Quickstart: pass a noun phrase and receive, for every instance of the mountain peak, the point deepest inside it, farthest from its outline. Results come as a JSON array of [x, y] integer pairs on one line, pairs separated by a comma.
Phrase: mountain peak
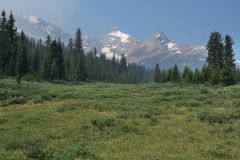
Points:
[[124, 38], [161, 37], [33, 19]]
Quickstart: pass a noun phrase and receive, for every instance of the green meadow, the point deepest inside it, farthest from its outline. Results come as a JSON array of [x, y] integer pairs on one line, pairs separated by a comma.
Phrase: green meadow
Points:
[[101, 121]]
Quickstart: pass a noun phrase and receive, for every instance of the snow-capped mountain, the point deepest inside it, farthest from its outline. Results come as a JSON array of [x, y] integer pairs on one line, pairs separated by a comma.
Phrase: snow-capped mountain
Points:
[[118, 43], [38, 28], [158, 49]]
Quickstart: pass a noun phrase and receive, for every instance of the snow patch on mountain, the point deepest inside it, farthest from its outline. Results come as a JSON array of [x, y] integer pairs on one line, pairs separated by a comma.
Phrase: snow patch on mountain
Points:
[[33, 19], [174, 48], [36, 27], [124, 38]]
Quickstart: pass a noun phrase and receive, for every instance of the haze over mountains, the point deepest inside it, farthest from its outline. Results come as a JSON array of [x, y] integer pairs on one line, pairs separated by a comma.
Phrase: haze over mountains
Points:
[[157, 49]]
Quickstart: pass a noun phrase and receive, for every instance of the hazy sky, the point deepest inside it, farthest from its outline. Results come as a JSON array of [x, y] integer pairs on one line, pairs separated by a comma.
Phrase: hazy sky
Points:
[[184, 21]]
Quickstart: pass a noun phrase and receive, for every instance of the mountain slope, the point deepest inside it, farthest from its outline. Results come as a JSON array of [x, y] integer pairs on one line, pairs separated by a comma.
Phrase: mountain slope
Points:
[[158, 49], [38, 28]]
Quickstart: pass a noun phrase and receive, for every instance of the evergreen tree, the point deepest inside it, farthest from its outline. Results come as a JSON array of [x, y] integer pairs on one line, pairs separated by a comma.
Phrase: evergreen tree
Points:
[[228, 76], [189, 76], [229, 60], [25, 66], [78, 42], [54, 70], [203, 74], [3, 43], [60, 61], [175, 75], [70, 45], [185, 71], [229, 70], [20, 66], [36, 61], [157, 74], [215, 77], [80, 63], [215, 48], [81, 70], [123, 64], [196, 76], [12, 44]]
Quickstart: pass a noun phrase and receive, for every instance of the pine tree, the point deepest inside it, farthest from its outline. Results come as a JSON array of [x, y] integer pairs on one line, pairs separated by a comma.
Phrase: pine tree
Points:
[[36, 61], [196, 76], [78, 42], [54, 70], [20, 70], [12, 44], [175, 75], [185, 71], [123, 65], [48, 41], [70, 45], [215, 48], [228, 76], [60, 61], [81, 70], [203, 74], [189, 76], [215, 77], [3, 43], [229, 70], [237, 76], [157, 74], [229, 60], [80, 57], [25, 66]]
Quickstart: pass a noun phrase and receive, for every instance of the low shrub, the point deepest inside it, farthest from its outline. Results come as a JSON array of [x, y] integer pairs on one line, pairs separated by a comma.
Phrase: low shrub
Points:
[[18, 100], [212, 117], [102, 123], [30, 148]]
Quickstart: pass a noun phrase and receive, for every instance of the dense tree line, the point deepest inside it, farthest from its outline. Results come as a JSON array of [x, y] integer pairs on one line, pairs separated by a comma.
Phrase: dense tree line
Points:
[[21, 56], [219, 68]]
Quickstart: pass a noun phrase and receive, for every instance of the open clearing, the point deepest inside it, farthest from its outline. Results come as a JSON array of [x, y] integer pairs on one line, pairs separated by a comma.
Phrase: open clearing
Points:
[[114, 121]]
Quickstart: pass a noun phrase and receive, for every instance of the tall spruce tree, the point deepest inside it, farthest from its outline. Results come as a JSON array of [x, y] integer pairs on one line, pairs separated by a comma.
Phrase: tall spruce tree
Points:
[[78, 42], [80, 57], [229, 70], [60, 61], [21, 55], [12, 44], [3, 43], [175, 74], [157, 74], [215, 59], [36, 62], [123, 65]]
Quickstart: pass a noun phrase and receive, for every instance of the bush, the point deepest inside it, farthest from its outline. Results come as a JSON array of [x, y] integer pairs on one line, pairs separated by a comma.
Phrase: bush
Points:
[[212, 117], [102, 123], [18, 100], [203, 90], [221, 152], [31, 149], [38, 99]]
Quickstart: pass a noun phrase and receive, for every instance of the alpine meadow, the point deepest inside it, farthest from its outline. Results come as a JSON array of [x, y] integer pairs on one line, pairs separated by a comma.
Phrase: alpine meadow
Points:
[[85, 94]]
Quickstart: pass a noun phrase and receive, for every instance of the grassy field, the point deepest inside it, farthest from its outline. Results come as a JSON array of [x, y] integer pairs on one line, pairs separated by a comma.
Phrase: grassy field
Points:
[[122, 122]]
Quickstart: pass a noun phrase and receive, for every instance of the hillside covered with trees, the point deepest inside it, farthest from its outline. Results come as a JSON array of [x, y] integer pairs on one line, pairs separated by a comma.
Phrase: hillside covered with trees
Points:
[[220, 67], [51, 60]]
